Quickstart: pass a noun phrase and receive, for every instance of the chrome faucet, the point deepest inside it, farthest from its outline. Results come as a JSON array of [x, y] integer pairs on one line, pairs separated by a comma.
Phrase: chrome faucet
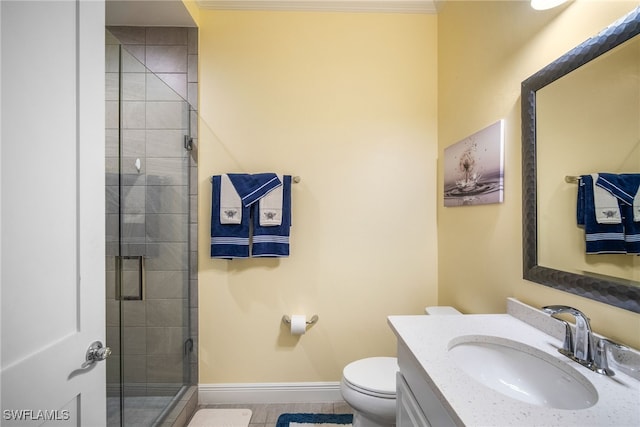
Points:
[[581, 349]]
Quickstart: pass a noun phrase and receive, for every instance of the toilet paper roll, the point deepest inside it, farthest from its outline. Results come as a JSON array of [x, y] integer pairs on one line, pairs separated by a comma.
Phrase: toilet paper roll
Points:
[[298, 324]]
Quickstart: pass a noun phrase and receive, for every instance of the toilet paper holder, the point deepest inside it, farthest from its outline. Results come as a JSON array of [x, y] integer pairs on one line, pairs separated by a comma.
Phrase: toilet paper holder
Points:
[[286, 319]]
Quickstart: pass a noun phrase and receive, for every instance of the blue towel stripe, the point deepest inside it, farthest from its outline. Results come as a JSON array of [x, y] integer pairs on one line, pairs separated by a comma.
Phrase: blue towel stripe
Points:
[[261, 191]]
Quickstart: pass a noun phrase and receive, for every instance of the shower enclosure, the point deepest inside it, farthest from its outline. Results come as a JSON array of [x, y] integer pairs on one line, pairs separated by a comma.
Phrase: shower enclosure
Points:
[[148, 167]]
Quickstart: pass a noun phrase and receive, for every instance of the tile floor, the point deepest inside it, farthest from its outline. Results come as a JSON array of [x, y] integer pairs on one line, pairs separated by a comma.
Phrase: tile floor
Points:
[[266, 415]]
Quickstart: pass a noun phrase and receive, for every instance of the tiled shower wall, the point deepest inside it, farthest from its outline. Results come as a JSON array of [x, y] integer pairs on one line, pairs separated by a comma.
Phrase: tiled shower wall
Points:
[[156, 327]]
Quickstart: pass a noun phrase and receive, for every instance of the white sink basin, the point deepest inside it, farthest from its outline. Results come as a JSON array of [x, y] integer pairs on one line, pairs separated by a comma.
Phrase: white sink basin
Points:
[[522, 372]]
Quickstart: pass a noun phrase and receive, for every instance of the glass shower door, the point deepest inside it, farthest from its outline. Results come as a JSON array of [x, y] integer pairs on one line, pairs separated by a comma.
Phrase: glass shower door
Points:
[[147, 242]]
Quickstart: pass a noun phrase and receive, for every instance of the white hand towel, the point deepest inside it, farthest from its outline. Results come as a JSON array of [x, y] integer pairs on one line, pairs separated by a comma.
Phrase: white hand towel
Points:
[[230, 203], [606, 205], [271, 207]]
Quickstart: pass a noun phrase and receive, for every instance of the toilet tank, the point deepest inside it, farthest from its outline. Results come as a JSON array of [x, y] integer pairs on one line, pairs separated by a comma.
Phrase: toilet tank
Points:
[[441, 310]]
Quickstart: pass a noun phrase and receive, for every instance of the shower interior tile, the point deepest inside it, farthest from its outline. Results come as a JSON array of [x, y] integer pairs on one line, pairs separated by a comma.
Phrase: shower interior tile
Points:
[[166, 285], [133, 200], [165, 340], [176, 82], [133, 114], [166, 199], [112, 142], [165, 143], [165, 312], [134, 340], [111, 115], [166, 227], [133, 58], [112, 58], [133, 143], [133, 86], [109, 38], [166, 171], [166, 59], [134, 313], [111, 201], [160, 90], [112, 87], [167, 115], [135, 368], [192, 96], [166, 368], [129, 35], [192, 34], [192, 68], [166, 35], [113, 368], [112, 308]]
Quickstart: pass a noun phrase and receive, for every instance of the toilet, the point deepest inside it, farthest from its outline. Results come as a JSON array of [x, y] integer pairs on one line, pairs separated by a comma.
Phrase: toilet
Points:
[[369, 385]]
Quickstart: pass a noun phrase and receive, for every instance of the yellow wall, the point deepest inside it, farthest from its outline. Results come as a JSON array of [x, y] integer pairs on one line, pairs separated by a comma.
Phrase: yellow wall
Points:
[[485, 50], [348, 102]]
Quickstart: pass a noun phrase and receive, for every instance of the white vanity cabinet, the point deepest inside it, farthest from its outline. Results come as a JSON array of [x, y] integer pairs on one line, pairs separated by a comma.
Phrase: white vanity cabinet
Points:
[[408, 412], [416, 403]]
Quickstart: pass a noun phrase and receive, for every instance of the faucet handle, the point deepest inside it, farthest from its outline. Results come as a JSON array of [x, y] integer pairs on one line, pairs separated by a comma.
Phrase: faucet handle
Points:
[[568, 344], [601, 362]]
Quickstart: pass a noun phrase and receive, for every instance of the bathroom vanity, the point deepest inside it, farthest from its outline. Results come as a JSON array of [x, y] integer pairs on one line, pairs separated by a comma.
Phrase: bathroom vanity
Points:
[[453, 370]]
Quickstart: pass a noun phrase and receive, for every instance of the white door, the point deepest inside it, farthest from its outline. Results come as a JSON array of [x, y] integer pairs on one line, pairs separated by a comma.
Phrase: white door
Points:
[[52, 211]]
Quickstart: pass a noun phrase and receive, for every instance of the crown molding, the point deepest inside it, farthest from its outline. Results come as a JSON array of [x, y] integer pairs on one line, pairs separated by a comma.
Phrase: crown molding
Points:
[[384, 6]]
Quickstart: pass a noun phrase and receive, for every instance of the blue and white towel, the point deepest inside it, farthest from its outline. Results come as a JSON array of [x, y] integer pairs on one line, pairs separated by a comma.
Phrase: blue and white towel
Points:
[[270, 207], [252, 187], [227, 240], [272, 240], [606, 204], [230, 203], [599, 238], [625, 188]]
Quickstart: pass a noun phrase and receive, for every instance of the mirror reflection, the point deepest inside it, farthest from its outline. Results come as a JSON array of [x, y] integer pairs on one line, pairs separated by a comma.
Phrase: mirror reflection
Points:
[[587, 122], [580, 115]]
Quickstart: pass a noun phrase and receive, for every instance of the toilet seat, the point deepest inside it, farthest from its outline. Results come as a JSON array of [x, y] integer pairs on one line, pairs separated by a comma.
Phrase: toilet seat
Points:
[[373, 376]]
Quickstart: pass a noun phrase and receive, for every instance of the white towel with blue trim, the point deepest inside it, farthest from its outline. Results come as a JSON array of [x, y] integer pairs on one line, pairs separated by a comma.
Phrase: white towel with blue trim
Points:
[[270, 210], [636, 206], [606, 204], [230, 202]]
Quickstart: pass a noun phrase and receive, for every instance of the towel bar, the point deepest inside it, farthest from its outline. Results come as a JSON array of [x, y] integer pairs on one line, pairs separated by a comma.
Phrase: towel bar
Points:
[[296, 179], [572, 179]]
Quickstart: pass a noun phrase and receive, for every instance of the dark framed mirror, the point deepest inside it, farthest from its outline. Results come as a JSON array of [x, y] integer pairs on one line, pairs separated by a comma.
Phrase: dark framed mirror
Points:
[[619, 291]]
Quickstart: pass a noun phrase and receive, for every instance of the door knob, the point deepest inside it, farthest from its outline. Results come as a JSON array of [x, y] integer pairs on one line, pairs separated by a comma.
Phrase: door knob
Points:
[[96, 352]]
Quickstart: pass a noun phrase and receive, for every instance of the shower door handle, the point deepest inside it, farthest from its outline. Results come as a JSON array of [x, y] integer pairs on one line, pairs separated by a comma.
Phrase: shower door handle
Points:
[[140, 288]]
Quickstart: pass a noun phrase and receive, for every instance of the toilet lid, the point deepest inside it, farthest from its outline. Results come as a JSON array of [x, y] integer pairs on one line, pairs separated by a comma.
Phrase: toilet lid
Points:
[[374, 374]]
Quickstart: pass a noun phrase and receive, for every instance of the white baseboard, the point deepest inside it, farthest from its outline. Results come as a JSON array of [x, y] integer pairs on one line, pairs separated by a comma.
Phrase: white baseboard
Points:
[[309, 392]]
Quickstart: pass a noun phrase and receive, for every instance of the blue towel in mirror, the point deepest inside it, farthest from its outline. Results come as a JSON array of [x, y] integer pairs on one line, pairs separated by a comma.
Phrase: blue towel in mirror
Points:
[[625, 187], [599, 238]]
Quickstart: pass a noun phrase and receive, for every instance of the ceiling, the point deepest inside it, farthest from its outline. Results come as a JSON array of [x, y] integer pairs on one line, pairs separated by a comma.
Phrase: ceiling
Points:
[[148, 13], [403, 6], [173, 12]]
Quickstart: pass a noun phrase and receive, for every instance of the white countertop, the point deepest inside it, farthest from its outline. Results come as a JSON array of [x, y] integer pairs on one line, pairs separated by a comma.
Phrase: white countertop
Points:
[[428, 337]]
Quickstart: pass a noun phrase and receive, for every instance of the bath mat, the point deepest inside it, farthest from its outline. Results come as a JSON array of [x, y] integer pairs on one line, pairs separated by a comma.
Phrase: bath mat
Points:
[[221, 418], [315, 420]]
